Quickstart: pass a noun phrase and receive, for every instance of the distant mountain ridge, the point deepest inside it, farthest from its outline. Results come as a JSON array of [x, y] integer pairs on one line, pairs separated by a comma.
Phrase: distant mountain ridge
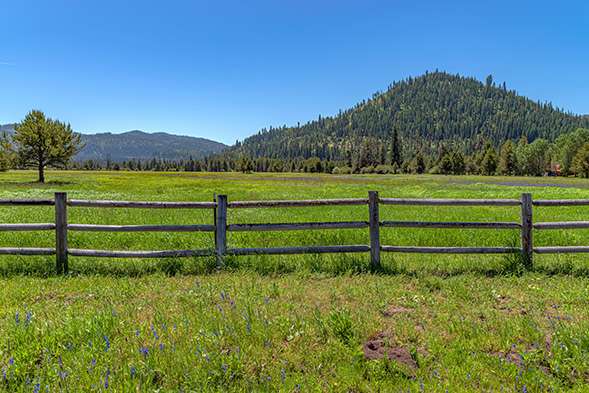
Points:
[[139, 145]]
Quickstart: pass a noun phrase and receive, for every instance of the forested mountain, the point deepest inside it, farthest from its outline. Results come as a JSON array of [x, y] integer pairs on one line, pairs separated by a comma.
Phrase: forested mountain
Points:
[[433, 110], [139, 145]]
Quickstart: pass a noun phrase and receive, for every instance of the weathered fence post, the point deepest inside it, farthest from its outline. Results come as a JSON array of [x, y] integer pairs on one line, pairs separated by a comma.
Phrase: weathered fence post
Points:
[[221, 228], [374, 222], [61, 252], [527, 225]]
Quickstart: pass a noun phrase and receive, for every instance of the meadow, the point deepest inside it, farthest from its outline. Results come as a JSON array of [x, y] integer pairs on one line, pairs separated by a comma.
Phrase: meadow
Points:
[[293, 323]]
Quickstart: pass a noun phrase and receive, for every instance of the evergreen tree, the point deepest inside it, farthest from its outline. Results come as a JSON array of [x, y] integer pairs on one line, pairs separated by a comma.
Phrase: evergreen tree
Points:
[[489, 162], [446, 166], [507, 159], [458, 164], [396, 149], [418, 165], [42, 142]]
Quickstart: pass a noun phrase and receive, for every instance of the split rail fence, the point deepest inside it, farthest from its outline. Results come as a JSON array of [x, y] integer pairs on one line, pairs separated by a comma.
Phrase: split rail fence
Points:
[[219, 227]]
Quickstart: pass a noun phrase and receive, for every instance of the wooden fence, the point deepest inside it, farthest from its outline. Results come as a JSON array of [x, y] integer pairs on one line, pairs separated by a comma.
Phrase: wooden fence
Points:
[[221, 205]]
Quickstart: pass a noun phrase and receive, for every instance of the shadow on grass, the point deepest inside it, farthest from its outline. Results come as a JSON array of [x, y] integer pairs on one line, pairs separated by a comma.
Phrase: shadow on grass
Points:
[[36, 184], [511, 265]]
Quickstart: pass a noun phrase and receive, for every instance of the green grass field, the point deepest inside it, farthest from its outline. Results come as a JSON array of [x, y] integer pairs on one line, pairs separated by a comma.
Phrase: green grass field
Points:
[[292, 323]]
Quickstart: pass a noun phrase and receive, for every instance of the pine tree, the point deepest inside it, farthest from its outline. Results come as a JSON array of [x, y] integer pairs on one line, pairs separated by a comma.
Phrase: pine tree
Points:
[[42, 142], [458, 163], [445, 165], [507, 159], [418, 165], [395, 149], [489, 163]]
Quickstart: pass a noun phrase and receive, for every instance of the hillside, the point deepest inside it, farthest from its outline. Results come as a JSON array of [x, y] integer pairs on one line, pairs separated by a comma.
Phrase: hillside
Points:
[[425, 110], [140, 145]]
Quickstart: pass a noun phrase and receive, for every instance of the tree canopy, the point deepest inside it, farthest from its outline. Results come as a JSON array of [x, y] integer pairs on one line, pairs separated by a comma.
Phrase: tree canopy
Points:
[[41, 142]]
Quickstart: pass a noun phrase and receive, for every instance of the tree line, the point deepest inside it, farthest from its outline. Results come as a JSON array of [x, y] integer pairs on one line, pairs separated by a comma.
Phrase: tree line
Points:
[[568, 155], [40, 142]]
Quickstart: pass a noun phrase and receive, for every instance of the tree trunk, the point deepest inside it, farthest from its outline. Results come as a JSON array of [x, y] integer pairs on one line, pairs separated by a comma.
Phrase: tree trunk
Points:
[[41, 173]]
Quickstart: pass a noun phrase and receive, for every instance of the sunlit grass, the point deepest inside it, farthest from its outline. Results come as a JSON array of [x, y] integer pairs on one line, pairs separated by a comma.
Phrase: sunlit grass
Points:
[[203, 186]]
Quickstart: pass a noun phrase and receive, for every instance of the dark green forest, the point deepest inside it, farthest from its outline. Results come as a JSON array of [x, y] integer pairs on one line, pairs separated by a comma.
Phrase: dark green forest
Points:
[[433, 109]]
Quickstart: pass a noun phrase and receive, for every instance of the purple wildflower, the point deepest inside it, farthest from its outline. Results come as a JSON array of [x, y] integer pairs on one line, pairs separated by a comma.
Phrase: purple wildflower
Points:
[[106, 378], [161, 346], [154, 332], [17, 318], [144, 351], [11, 361], [37, 388], [106, 343], [28, 317]]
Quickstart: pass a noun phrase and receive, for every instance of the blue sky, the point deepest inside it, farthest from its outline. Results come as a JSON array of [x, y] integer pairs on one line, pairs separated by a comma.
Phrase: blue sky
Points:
[[225, 69]]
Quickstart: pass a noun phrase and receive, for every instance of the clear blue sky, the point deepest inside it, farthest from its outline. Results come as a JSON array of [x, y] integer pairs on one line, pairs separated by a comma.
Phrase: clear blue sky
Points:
[[225, 69]]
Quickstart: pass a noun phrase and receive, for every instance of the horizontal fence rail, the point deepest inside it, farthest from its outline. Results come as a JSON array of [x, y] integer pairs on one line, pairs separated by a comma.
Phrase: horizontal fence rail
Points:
[[27, 227], [141, 228], [561, 202], [297, 226], [26, 251], [446, 224], [139, 254], [562, 225], [449, 202], [27, 202], [451, 250], [302, 203], [299, 250], [142, 205], [220, 207]]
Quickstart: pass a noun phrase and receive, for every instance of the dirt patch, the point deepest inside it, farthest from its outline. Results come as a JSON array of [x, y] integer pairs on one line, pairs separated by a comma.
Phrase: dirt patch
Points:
[[379, 347], [394, 310], [503, 303]]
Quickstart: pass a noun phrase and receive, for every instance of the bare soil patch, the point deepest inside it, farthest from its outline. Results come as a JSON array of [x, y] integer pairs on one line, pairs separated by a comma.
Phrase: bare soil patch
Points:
[[379, 347], [393, 310]]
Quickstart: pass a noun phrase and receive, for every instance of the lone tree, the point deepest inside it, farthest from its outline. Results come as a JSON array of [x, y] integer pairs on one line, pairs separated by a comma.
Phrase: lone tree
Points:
[[42, 142]]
